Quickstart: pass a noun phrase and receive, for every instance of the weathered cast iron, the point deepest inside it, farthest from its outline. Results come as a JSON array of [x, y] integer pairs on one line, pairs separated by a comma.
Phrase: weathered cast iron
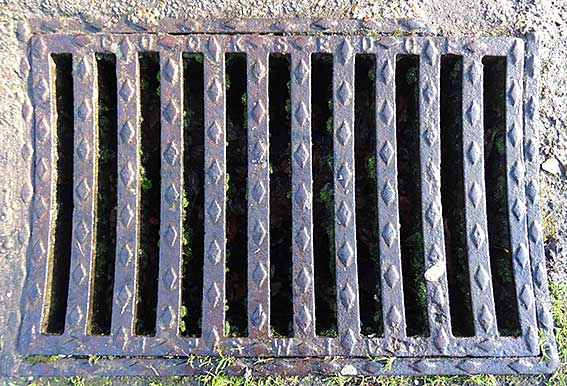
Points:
[[305, 352]]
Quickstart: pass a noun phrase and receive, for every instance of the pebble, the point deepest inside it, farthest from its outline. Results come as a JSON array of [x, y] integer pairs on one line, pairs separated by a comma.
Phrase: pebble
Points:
[[552, 166], [349, 370], [435, 272]]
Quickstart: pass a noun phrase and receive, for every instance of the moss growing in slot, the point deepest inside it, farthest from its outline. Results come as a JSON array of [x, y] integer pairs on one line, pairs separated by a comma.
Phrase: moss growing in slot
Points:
[[236, 193], [192, 196], [496, 172], [150, 194], [372, 74], [329, 122], [106, 196], [287, 107], [182, 315], [365, 187], [323, 192], [371, 167], [145, 182], [409, 198], [35, 359]]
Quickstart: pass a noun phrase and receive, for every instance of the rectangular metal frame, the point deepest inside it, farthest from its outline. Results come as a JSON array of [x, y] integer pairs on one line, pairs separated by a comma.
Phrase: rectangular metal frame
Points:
[[439, 353]]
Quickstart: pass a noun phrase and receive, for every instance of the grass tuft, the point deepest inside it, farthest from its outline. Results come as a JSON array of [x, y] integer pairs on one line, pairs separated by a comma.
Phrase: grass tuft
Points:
[[558, 292]]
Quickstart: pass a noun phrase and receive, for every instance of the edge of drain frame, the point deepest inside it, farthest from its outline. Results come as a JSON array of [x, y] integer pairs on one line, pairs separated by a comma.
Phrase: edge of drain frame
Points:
[[226, 26]]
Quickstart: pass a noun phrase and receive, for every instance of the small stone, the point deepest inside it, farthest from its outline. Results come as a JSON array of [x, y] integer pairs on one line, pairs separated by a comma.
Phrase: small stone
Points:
[[435, 272], [552, 166], [349, 370]]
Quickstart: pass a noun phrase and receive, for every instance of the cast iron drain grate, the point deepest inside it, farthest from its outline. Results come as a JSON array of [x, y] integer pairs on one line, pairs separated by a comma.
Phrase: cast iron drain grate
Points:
[[487, 348]]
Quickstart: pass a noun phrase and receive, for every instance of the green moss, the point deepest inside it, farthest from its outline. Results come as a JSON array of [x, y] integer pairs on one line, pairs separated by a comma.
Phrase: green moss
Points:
[[158, 88], [244, 100], [329, 122], [549, 223], [34, 359], [422, 295], [412, 75], [398, 33], [371, 167], [330, 333], [182, 315], [145, 182], [326, 195], [144, 84], [329, 125], [372, 74]]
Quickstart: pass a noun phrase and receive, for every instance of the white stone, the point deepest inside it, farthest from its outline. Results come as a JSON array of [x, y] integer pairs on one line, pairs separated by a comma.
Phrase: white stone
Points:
[[435, 272], [552, 166], [349, 370]]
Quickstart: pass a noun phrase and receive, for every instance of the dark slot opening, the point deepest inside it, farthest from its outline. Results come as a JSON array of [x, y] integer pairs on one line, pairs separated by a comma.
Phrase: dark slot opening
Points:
[[150, 181], [409, 185], [323, 194], [280, 196], [368, 256], [453, 195], [237, 202], [497, 196], [193, 196], [105, 226], [59, 261]]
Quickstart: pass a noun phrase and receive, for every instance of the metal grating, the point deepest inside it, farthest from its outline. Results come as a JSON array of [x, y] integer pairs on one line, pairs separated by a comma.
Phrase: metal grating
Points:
[[440, 352]]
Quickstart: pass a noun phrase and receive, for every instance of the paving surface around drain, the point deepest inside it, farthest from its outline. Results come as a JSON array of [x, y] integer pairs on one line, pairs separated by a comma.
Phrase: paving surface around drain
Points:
[[438, 351]]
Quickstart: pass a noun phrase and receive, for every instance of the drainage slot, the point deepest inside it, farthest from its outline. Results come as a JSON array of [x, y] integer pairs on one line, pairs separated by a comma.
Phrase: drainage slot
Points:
[[497, 196], [368, 256], [280, 196], [106, 196], [148, 254], [409, 185], [323, 194], [193, 196], [453, 195], [59, 260], [237, 203]]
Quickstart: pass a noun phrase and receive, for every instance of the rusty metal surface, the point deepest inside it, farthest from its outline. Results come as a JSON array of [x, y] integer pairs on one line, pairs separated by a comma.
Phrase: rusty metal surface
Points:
[[485, 352]]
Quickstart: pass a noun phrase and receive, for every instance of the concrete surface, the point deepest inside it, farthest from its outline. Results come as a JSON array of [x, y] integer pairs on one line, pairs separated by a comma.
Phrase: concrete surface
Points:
[[451, 17]]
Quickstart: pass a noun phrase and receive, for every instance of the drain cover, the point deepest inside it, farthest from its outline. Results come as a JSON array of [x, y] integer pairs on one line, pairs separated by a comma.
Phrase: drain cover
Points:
[[59, 297]]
